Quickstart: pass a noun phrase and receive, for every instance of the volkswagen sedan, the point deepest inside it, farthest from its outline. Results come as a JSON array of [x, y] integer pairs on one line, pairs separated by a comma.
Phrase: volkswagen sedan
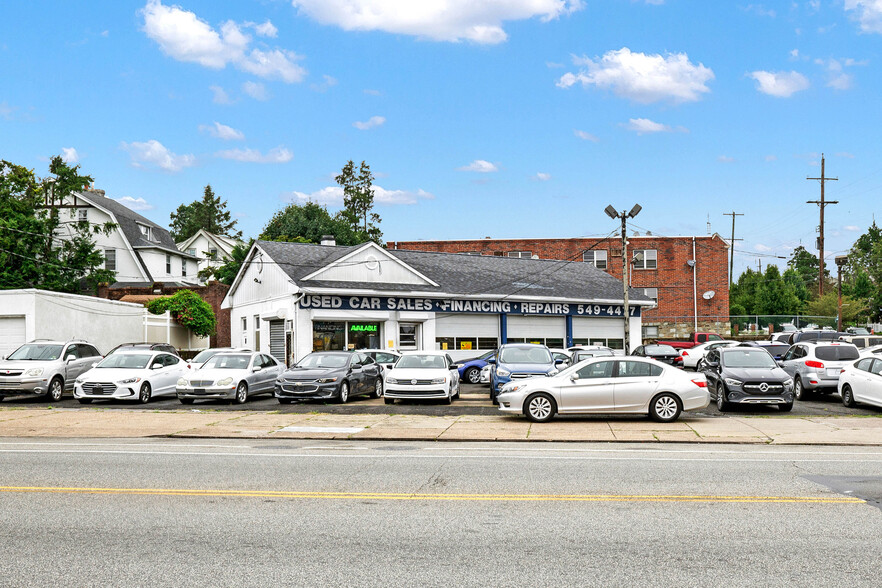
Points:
[[230, 376], [423, 374], [632, 385]]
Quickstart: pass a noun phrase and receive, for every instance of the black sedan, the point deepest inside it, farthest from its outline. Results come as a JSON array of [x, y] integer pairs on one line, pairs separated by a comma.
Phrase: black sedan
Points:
[[330, 375], [663, 353]]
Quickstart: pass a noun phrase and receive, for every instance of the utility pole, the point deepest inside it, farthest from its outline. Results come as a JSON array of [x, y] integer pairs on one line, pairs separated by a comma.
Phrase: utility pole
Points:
[[614, 214], [733, 214], [821, 204]]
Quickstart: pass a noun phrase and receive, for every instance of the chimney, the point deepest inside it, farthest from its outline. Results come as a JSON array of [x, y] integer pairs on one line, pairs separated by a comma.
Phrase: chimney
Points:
[[329, 240]]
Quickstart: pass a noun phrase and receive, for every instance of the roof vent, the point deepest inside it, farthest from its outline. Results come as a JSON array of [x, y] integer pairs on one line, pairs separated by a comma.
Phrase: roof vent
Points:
[[329, 240]]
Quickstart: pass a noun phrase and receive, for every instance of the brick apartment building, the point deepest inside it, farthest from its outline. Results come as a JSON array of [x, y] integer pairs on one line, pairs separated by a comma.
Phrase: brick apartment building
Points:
[[687, 294]]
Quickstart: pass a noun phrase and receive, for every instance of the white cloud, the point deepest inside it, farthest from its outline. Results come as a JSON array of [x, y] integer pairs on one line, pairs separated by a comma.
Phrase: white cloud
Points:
[[266, 29], [438, 20], [182, 35], [845, 154], [586, 136], [642, 78], [372, 122], [219, 131], [836, 76], [333, 196], [644, 126], [760, 10], [852, 228], [762, 248], [781, 84], [480, 166], [70, 155], [220, 95], [327, 82], [725, 159], [794, 54], [869, 14], [372, 92], [771, 158], [152, 153], [256, 90], [134, 203], [6, 111], [275, 155], [542, 177]]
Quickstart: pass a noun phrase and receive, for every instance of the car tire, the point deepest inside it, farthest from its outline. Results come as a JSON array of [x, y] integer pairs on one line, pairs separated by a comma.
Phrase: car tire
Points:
[[848, 397], [539, 408], [378, 389], [472, 375], [186, 400], [389, 400], [722, 404], [699, 365], [665, 408], [449, 399], [241, 393], [343, 397], [85, 400], [786, 407], [799, 392], [145, 393], [458, 384], [56, 390]]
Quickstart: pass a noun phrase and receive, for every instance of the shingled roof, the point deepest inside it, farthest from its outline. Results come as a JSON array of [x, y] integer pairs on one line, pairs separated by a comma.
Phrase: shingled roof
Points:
[[461, 275]]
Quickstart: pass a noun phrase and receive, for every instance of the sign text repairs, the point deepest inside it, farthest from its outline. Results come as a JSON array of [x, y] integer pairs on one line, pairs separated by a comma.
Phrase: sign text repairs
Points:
[[466, 306]]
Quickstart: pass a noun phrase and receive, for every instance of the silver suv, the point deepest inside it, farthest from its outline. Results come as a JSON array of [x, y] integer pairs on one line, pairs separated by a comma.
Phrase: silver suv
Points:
[[815, 366], [45, 368]]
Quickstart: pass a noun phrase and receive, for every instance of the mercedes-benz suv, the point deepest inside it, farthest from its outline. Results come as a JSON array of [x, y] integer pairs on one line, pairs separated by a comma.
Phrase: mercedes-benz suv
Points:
[[746, 375]]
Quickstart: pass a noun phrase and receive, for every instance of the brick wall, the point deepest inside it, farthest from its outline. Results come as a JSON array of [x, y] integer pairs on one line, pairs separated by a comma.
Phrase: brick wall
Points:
[[673, 277]]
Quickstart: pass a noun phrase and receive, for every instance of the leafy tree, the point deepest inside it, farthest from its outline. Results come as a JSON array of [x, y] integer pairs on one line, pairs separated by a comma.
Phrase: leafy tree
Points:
[[863, 270], [358, 202], [743, 293], [227, 272], [792, 278], [307, 223], [828, 305], [187, 309], [776, 297], [210, 214], [38, 249], [806, 264]]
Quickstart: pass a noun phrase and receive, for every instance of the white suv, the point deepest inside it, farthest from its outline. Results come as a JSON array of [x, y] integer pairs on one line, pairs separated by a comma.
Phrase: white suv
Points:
[[45, 368], [815, 366]]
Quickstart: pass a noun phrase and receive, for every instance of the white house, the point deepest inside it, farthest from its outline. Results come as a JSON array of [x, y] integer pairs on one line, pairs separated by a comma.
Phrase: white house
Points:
[[211, 249], [140, 251]]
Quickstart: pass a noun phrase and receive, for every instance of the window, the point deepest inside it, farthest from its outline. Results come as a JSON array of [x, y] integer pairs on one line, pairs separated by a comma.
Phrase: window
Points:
[[445, 343], [191, 251], [244, 331], [554, 343], [652, 293], [521, 254], [645, 259], [255, 324], [650, 332], [407, 335], [466, 343], [488, 343], [146, 232], [183, 267], [83, 215], [167, 263], [638, 369], [110, 259], [598, 258], [212, 254], [601, 369]]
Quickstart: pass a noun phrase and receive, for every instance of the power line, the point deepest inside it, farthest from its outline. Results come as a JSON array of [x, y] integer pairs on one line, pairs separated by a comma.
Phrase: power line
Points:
[[821, 204], [733, 214]]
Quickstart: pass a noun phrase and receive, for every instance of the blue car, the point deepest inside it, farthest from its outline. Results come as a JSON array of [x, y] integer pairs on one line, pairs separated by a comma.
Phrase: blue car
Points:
[[519, 361], [470, 369]]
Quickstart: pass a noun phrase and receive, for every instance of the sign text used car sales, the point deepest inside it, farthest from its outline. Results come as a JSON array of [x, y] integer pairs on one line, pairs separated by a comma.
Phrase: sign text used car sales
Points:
[[465, 306]]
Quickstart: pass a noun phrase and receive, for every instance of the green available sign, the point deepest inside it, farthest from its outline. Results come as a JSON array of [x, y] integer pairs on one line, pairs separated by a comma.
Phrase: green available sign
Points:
[[362, 328]]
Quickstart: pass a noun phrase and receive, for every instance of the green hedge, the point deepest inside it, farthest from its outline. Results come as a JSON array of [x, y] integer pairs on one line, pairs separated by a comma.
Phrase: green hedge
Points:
[[188, 309]]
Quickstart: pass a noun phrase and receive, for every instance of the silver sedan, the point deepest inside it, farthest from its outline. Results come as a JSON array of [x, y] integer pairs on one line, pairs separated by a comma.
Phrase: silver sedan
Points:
[[632, 385], [230, 376]]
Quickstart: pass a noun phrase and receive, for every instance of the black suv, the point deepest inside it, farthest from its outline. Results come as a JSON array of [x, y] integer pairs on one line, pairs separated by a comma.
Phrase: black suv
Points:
[[747, 375]]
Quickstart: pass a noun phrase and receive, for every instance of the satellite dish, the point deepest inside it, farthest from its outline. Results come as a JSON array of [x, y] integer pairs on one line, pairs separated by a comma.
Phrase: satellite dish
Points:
[[708, 295]]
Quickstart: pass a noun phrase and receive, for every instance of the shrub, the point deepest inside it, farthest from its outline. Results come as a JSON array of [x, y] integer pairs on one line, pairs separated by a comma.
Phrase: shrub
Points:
[[188, 309]]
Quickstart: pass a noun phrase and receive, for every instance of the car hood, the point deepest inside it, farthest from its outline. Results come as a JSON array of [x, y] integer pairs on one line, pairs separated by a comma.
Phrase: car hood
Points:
[[305, 373], [417, 373], [113, 374], [215, 375], [756, 374], [22, 365], [533, 368]]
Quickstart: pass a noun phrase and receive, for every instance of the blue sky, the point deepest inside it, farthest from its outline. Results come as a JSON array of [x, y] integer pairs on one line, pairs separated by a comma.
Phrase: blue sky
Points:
[[518, 118]]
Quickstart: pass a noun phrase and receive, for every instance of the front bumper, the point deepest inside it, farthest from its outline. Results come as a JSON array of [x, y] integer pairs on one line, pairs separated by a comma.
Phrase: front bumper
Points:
[[211, 392], [36, 385], [113, 392], [737, 396], [306, 391], [511, 403], [409, 392]]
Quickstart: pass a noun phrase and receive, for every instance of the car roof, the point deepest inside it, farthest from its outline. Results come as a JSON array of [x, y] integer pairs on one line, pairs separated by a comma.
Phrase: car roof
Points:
[[524, 345], [426, 352], [140, 351]]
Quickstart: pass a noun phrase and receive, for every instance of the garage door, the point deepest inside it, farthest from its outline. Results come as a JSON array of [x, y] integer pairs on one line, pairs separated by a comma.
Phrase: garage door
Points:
[[466, 332], [12, 333], [595, 331], [548, 330]]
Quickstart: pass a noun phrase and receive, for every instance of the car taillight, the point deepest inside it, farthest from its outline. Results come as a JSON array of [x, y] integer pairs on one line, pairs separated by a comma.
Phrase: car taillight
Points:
[[684, 353], [814, 364], [700, 383]]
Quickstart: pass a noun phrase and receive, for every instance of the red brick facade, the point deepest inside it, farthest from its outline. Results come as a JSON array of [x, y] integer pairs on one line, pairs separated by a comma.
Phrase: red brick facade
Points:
[[673, 276]]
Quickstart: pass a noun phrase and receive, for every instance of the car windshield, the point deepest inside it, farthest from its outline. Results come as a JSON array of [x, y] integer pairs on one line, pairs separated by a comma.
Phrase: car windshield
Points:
[[36, 352], [860, 331], [747, 358], [227, 362], [660, 350], [582, 355], [205, 355], [836, 352], [126, 361], [525, 355], [426, 362], [320, 360], [776, 349]]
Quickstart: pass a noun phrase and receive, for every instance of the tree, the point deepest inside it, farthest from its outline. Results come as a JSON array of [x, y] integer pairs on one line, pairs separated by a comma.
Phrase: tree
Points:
[[227, 272], [38, 249], [358, 202], [307, 223], [806, 264], [863, 270], [776, 297], [828, 305], [188, 309], [210, 214]]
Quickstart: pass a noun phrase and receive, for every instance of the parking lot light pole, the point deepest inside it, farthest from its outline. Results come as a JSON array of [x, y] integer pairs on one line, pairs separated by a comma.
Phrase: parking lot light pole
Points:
[[614, 214], [840, 261]]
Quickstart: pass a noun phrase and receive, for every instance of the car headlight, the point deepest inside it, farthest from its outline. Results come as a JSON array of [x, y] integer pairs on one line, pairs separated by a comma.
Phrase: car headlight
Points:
[[326, 380], [512, 387], [439, 380], [79, 381], [225, 382], [733, 382], [128, 381], [502, 372], [35, 372], [182, 383], [788, 383], [391, 381], [553, 373]]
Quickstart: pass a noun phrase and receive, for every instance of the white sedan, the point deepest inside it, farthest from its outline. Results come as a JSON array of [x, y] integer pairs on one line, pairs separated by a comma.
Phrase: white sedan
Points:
[[861, 381], [692, 357], [130, 375], [632, 385], [423, 374]]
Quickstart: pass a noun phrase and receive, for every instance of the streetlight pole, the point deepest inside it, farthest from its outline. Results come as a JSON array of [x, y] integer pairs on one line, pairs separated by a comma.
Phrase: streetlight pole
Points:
[[613, 213], [840, 261]]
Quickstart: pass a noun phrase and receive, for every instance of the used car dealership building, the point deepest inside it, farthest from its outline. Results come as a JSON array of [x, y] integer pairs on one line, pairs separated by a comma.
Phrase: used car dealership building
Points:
[[290, 299]]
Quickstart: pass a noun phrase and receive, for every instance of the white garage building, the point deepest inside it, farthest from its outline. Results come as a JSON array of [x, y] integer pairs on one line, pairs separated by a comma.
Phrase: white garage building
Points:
[[290, 299]]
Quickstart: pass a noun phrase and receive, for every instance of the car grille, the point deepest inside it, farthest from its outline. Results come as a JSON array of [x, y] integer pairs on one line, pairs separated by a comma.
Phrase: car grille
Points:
[[757, 387], [521, 376], [301, 380], [201, 383], [299, 388], [99, 387], [11, 372], [420, 392]]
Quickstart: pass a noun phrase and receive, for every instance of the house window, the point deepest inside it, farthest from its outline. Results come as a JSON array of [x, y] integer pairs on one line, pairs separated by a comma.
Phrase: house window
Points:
[[652, 293], [168, 263], [212, 253], [650, 332], [255, 323], [146, 232], [191, 251], [645, 259], [83, 215], [110, 259], [598, 258], [521, 254], [244, 331], [407, 335], [183, 267]]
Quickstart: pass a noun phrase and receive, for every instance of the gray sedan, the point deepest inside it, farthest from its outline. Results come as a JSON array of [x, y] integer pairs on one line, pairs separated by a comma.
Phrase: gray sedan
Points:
[[230, 376]]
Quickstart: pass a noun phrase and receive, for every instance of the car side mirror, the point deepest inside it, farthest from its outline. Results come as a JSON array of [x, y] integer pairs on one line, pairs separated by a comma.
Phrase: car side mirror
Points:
[[559, 362], [69, 358], [94, 364], [780, 363], [492, 361], [454, 366], [573, 377], [256, 368], [156, 366], [712, 364]]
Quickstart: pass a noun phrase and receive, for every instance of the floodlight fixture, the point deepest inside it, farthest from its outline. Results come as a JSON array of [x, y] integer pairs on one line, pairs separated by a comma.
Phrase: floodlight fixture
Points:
[[635, 211], [611, 212]]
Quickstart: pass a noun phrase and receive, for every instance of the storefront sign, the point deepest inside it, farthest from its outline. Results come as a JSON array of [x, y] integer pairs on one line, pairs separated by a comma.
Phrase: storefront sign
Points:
[[464, 306]]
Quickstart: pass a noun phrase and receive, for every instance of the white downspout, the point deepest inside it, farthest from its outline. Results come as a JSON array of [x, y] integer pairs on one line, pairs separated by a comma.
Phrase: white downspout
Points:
[[694, 288]]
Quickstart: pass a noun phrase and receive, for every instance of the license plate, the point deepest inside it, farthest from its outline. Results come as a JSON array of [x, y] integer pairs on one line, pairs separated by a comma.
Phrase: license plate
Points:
[[97, 390], [833, 371], [198, 390]]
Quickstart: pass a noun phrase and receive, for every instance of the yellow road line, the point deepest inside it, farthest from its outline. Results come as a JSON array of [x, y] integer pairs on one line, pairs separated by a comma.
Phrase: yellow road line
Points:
[[427, 497]]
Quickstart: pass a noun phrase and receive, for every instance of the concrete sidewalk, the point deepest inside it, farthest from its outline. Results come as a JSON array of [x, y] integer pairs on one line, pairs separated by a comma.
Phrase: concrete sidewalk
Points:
[[195, 423]]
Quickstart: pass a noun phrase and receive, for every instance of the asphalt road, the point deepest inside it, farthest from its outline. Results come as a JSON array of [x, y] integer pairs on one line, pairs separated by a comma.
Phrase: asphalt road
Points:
[[476, 403], [307, 513]]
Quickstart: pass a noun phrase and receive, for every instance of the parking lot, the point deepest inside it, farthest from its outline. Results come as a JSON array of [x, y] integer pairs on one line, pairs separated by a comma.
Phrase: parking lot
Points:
[[474, 400]]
